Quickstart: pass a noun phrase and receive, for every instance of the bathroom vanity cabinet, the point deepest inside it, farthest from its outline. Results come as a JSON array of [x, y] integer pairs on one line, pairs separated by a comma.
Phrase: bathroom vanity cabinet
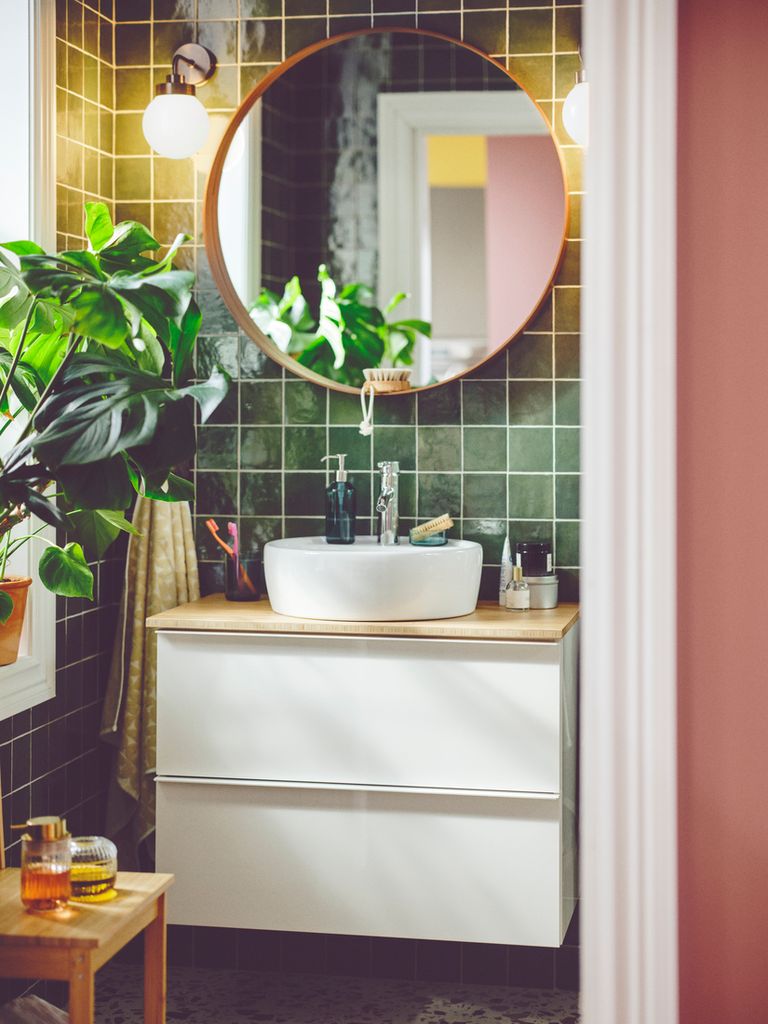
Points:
[[396, 779]]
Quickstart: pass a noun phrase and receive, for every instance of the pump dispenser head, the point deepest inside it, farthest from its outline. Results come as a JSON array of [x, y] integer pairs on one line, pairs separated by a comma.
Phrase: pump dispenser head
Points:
[[341, 472]]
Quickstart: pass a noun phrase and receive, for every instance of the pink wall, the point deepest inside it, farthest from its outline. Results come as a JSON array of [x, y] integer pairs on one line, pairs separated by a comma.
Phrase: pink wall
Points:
[[524, 210], [723, 510]]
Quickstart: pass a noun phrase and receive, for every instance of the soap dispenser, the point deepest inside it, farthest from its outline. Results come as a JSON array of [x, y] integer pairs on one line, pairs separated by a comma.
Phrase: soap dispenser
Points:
[[340, 506]]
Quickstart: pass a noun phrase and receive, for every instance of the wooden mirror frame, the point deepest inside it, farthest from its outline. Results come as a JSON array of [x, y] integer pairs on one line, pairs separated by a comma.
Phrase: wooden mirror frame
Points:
[[212, 238]]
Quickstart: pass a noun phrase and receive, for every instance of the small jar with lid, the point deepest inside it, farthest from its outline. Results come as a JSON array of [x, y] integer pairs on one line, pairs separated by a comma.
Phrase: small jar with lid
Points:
[[94, 867], [45, 864]]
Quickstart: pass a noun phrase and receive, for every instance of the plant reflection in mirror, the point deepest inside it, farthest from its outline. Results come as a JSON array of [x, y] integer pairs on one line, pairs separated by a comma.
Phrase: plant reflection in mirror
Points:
[[349, 334], [95, 362]]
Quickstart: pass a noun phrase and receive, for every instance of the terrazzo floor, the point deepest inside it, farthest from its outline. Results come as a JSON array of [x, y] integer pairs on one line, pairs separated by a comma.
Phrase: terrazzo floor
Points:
[[198, 996]]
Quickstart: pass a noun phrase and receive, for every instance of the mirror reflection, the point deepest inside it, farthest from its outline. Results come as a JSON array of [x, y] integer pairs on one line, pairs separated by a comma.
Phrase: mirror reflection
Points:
[[393, 199]]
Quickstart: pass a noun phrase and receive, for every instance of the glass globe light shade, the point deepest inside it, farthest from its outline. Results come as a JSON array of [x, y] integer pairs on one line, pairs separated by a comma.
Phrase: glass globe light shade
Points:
[[576, 113], [175, 125]]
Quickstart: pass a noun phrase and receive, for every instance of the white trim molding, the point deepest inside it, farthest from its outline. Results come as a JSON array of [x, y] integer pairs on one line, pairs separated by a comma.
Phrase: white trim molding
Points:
[[629, 812], [32, 40]]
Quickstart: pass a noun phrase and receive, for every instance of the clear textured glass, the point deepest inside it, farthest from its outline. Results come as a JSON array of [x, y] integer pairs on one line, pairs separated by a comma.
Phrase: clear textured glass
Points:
[[94, 867], [45, 873]]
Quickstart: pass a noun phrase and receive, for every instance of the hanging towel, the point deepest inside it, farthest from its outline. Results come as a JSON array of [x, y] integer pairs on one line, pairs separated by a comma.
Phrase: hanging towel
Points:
[[160, 573]]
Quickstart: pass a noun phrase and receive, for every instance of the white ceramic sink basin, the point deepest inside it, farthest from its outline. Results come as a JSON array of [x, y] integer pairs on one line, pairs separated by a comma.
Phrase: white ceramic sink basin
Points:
[[367, 582]]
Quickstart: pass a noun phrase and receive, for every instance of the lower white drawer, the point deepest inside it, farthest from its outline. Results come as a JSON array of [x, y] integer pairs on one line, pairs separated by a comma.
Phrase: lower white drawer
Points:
[[363, 862]]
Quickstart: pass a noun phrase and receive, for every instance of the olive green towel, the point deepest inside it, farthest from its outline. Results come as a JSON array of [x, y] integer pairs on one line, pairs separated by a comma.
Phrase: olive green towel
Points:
[[160, 573]]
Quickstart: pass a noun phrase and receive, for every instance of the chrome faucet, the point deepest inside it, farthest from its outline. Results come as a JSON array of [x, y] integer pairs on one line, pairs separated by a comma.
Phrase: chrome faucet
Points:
[[386, 505]]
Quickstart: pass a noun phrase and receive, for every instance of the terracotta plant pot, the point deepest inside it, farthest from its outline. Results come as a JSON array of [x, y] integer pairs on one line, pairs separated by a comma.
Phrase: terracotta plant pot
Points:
[[10, 633]]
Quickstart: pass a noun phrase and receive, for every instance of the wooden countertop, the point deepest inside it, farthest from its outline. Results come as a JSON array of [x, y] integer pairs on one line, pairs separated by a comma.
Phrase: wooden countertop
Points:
[[487, 622]]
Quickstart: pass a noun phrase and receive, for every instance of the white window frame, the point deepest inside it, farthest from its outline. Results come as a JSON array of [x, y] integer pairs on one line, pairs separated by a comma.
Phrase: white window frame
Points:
[[28, 198]]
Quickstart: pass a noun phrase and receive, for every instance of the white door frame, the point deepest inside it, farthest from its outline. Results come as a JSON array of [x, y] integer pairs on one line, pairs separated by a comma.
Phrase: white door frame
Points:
[[629, 812]]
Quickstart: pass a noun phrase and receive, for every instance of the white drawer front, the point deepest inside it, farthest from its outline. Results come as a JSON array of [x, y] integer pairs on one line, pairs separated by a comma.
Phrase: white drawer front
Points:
[[390, 712], [467, 868]]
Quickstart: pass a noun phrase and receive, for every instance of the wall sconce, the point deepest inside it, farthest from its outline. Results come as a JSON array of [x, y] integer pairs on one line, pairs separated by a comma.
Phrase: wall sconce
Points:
[[175, 123], [576, 110]]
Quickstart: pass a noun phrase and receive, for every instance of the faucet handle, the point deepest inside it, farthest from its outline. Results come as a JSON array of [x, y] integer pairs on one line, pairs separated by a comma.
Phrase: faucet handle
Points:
[[389, 468]]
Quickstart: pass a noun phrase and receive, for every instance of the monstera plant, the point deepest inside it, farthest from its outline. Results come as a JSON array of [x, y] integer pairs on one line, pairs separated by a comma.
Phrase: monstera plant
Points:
[[349, 334], [96, 403]]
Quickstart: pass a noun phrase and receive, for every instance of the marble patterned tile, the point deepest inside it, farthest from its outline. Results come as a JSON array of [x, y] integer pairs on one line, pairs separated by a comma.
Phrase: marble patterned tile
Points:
[[197, 996]]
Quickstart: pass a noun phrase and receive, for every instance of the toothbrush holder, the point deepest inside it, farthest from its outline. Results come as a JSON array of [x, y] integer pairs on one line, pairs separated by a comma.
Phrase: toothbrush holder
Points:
[[242, 578]]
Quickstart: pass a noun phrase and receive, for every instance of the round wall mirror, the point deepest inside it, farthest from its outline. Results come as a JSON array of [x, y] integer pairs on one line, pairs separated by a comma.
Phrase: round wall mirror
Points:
[[386, 200]]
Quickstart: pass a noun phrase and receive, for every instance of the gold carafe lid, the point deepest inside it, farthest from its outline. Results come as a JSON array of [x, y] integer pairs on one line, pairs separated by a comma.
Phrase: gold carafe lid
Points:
[[44, 829]]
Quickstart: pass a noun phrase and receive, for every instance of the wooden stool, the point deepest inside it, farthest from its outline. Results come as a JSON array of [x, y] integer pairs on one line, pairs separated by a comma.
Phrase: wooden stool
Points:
[[72, 944]]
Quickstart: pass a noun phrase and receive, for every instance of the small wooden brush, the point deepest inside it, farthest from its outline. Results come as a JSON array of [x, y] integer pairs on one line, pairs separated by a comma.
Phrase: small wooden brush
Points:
[[425, 530]]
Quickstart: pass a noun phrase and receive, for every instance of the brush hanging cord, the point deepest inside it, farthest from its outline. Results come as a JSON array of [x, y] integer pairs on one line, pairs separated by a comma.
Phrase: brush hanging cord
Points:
[[366, 424]]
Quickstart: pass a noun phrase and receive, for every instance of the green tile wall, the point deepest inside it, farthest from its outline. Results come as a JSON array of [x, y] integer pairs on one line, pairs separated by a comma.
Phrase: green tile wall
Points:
[[498, 450]]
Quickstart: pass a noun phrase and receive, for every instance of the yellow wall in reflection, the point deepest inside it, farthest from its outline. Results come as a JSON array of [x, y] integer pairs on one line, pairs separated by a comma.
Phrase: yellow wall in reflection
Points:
[[457, 161]]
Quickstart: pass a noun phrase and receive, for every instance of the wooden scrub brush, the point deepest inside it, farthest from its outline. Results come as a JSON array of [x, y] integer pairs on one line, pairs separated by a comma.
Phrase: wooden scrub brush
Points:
[[424, 530]]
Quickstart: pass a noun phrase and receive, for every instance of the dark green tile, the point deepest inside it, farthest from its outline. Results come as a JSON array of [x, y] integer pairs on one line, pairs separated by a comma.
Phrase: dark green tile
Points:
[[216, 352], [173, 9], [567, 359], [261, 401], [542, 530], [494, 368], [261, 494], [486, 30], [534, 74], [216, 9], [350, 6], [567, 543], [217, 448], [132, 10], [228, 410], [567, 402], [484, 402], [568, 585], [530, 497], [261, 447], [216, 317], [485, 448], [440, 405], [485, 495], [530, 403], [530, 356], [216, 494], [305, 527], [167, 37], [407, 492], [530, 31], [350, 441], [303, 32], [345, 408], [439, 493], [256, 531], [305, 494], [448, 24], [568, 29], [304, 447], [543, 319], [570, 269], [260, 41], [567, 440], [530, 449], [259, 8], [489, 533], [567, 496], [132, 44], [394, 410], [255, 364], [439, 449], [567, 309], [221, 38], [304, 402], [395, 444]]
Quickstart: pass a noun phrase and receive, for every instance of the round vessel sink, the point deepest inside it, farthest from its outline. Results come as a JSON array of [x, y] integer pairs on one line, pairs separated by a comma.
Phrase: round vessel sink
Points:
[[367, 582]]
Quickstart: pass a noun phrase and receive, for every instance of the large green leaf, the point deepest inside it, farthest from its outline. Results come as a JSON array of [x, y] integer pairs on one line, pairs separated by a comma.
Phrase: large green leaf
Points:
[[96, 485], [6, 607], [129, 239], [65, 571], [99, 315], [98, 529], [98, 225]]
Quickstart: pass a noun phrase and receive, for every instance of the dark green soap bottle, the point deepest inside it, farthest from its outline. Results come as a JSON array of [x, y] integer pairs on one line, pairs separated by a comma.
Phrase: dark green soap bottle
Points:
[[340, 506]]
